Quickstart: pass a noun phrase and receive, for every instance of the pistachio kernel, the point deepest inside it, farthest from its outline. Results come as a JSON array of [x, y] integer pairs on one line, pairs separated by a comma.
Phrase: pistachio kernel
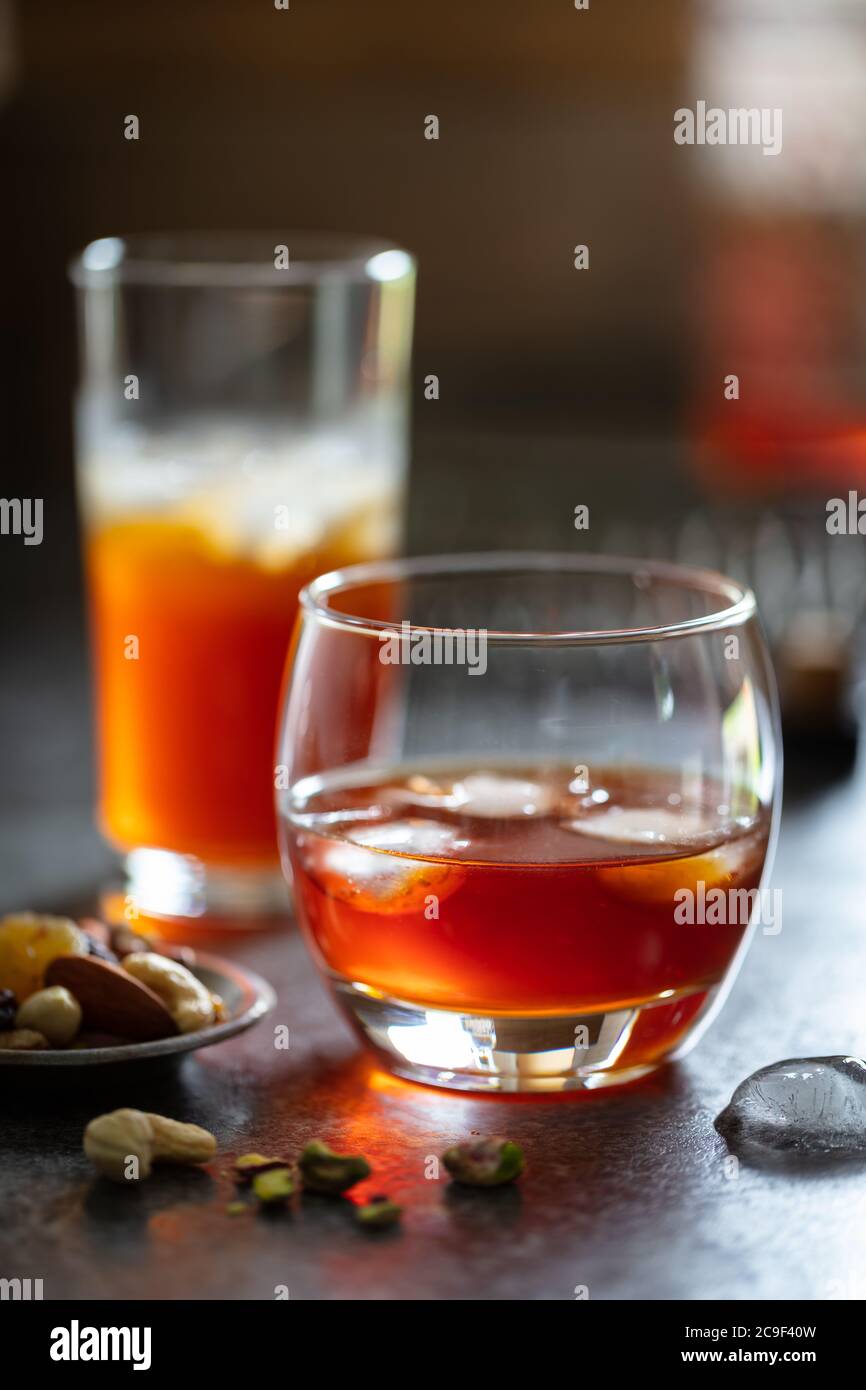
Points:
[[329, 1173], [484, 1162], [378, 1214], [236, 1208], [249, 1166], [275, 1185]]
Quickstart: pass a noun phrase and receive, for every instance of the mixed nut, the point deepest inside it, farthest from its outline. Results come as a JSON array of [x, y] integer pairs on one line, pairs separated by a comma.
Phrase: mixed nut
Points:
[[318, 1170], [490, 1162], [73, 985], [125, 1144], [65, 984], [328, 1173]]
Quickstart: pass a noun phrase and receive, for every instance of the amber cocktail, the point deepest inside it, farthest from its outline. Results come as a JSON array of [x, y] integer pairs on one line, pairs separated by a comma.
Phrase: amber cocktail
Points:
[[241, 428], [490, 913]]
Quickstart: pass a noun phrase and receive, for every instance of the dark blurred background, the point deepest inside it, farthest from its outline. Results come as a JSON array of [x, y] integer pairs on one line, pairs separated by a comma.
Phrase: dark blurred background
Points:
[[555, 130], [557, 386]]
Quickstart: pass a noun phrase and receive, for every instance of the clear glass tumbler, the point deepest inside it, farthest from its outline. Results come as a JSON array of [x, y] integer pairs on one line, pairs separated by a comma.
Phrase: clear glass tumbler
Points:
[[528, 809], [241, 425]]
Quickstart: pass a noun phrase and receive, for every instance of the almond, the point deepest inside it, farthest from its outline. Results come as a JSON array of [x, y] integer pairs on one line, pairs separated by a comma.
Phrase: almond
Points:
[[112, 1001]]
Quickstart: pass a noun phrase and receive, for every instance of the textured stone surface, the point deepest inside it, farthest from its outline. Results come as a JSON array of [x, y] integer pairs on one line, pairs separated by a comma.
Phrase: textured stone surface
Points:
[[629, 1193]]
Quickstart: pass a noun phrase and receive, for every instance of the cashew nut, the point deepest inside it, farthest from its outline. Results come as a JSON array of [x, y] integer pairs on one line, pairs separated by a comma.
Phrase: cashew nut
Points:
[[23, 1040], [53, 1012], [111, 1141], [186, 998], [174, 1142]]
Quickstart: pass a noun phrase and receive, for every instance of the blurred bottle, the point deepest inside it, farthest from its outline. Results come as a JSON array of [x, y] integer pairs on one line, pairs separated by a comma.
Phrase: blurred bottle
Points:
[[778, 408]]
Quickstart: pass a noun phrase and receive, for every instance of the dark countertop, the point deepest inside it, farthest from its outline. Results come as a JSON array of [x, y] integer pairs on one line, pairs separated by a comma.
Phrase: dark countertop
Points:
[[627, 1193]]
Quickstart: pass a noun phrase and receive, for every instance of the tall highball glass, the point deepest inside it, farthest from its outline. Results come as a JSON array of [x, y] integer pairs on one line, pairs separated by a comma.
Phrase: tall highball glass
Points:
[[241, 426]]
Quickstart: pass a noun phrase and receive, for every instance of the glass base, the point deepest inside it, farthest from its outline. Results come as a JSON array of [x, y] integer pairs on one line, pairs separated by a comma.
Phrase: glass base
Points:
[[498, 1053], [181, 888]]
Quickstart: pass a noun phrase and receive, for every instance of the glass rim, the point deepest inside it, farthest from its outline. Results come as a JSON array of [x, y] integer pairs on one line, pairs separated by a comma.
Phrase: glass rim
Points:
[[739, 598], [236, 259]]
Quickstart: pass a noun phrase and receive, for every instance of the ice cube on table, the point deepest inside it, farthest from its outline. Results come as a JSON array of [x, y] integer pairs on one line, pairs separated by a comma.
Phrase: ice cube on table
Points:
[[494, 797], [810, 1106]]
